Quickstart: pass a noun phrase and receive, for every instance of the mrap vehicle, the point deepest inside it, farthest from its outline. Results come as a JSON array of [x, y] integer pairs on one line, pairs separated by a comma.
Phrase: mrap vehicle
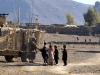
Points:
[[14, 41]]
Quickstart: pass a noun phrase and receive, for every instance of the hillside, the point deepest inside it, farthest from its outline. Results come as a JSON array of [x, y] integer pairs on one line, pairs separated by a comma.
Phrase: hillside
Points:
[[48, 11], [97, 6]]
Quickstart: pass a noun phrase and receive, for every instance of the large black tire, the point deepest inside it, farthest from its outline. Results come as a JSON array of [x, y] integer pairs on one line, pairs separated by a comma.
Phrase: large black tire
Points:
[[24, 56], [23, 53], [9, 58]]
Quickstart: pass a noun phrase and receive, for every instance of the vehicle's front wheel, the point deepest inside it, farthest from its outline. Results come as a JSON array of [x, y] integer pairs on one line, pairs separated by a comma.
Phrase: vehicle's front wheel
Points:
[[9, 58]]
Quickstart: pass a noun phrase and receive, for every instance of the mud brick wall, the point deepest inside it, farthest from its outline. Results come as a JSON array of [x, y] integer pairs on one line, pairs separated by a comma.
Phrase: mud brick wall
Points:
[[80, 30], [64, 30]]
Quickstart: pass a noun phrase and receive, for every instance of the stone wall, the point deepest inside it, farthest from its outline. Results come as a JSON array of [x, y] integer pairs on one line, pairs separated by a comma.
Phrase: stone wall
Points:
[[64, 30], [80, 30]]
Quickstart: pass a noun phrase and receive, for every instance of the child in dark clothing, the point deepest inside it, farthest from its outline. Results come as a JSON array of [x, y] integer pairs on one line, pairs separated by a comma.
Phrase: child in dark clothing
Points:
[[56, 55], [64, 56]]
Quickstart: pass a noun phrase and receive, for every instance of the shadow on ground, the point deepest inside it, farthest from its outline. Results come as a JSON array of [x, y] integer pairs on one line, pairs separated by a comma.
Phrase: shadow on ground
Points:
[[5, 62], [24, 64], [89, 51]]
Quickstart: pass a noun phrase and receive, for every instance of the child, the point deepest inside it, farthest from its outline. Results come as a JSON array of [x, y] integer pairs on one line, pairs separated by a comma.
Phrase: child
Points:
[[56, 55], [64, 56], [51, 55]]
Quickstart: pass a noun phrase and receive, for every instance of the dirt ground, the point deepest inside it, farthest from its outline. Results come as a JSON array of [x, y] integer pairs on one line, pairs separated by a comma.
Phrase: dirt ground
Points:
[[82, 60]]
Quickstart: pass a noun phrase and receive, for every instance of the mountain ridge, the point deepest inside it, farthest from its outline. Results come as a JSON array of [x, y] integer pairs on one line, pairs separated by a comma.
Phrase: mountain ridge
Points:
[[48, 11]]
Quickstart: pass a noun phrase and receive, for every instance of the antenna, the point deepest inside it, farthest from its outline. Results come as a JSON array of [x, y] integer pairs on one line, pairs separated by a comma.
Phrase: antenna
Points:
[[19, 15], [14, 10], [32, 10], [29, 17]]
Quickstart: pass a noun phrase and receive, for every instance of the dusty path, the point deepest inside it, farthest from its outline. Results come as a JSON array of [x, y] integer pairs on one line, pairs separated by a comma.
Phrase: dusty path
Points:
[[80, 62], [32, 69]]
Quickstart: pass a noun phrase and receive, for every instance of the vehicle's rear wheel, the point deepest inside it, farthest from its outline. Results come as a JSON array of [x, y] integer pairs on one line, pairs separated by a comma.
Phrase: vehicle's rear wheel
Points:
[[9, 58], [23, 53], [24, 56]]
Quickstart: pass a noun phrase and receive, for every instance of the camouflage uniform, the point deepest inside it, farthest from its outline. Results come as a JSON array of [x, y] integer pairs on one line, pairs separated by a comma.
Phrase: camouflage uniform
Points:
[[32, 50]]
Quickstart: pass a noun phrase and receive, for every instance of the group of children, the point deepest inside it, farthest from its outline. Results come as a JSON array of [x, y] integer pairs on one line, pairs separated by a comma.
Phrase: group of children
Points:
[[51, 54]]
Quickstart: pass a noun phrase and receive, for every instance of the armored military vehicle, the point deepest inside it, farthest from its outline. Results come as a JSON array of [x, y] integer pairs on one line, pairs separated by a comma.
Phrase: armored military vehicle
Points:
[[14, 41]]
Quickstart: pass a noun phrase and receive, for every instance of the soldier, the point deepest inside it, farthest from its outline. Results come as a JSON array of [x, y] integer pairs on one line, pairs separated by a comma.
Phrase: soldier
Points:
[[32, 50]]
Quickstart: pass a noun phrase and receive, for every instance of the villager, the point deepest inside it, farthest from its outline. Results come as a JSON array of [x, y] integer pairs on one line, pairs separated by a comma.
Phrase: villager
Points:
[[64, 56], [51, 55], [45, 53], [56, 53], [77, 38], [85, 40], [89, 40], [32, 50]]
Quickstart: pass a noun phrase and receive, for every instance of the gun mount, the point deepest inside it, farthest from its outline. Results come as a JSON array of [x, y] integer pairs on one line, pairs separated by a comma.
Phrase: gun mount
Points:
[[3, 19]]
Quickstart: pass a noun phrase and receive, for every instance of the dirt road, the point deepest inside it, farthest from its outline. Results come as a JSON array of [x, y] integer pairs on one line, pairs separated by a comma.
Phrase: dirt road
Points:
[[80, 62]]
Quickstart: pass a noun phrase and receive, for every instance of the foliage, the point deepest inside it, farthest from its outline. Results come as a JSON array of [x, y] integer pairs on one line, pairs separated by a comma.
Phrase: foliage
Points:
[[97, 20], [13, 23], [92, 17], [70, 19], [86, 23]]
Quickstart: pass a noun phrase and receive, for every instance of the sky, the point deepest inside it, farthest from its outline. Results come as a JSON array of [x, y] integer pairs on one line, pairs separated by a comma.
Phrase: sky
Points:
[[87, 1]]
